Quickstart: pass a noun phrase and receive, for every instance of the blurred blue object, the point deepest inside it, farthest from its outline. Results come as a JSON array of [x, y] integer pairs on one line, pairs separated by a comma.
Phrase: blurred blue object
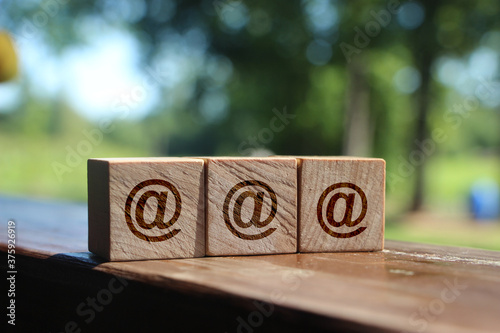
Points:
[[485, 199]]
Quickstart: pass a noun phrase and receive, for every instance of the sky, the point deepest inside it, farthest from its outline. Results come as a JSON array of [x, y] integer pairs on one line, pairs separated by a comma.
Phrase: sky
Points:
[[93, 78]]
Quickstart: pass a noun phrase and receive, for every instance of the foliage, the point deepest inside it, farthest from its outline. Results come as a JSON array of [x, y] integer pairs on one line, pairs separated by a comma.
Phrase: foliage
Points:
[[243, 61]]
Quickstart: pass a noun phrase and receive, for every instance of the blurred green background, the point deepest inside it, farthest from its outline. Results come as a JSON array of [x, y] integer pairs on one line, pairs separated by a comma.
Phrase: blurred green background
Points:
[[413, 82]]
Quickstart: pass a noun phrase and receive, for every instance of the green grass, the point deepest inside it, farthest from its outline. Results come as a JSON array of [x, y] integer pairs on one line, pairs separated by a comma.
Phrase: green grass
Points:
[[27, 166], [448, 180], [477, 236]]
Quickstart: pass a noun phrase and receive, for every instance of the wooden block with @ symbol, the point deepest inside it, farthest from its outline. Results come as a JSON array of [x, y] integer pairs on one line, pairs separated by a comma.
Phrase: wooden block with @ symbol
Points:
[[341, 204], [146, 208], [251, 206]]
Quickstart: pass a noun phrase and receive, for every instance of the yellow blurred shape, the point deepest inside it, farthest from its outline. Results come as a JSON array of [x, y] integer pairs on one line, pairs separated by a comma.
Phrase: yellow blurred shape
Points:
[[8, 58]]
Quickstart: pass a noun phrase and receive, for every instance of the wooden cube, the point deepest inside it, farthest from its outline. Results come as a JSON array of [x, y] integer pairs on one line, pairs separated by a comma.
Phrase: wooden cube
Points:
[[146, 208], [251, 206], [341, 204]]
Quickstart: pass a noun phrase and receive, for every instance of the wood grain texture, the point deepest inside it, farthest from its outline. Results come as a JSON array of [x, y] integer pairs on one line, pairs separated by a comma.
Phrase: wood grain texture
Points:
[[251, 206], [341, 204], [407, 287], [146, 208]]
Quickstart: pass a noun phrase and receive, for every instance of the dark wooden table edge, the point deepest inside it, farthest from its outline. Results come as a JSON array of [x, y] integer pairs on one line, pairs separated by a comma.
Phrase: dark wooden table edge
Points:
[[55, 268], [87, 266]]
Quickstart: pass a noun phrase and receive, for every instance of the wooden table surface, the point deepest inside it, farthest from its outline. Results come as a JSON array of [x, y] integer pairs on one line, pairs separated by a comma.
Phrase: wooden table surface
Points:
[[408, 287]]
